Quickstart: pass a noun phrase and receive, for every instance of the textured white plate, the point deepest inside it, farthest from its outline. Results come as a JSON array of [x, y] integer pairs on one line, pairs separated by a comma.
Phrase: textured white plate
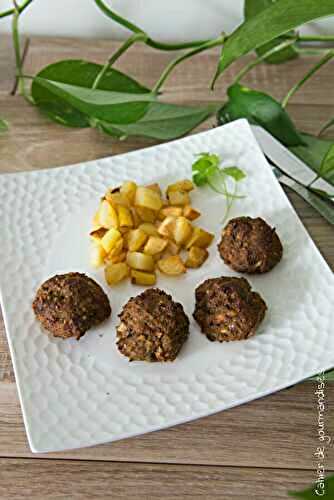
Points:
[[76, 394]]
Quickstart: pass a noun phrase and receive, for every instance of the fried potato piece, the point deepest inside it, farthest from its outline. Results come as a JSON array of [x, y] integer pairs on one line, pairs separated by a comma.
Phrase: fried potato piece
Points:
[[148, 198], [124, 217], [140, 261], [184, 185], [182, 230], [196, 257], [191, 213], [155, 245], [136, 239], [149, 229], [128, 190], [110, 239], [170, 210], [155, 187], [181, 198], [200, 238], [173, 265], [142, 278], [98, 234], [114, 273], [146, 214], [107, 215], [97, 255], [166, 227], [116, 198]]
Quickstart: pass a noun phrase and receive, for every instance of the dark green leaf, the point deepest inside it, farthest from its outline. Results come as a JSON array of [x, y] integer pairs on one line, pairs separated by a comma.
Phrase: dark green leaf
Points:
[[111, 106], [261, 109], [3, 125], [310, 493], [251, 9], [277, 19], [327, 166], [82, 74], [313, 153], [236, 173], [163, 121]]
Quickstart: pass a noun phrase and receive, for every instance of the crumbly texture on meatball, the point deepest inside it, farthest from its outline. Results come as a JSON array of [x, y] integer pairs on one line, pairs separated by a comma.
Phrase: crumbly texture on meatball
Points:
[[226, 309], [68, 305], [152, 327], [250, 245]]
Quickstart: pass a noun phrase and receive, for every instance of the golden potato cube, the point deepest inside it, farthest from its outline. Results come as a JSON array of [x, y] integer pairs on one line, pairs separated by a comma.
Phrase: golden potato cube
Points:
[[148, 198], [149, 229], [114, 259], [182, 230], [124, 217], [140, 261], [200, 238], [196, 257], [117, 249], [155, 187], [181, 198], [135, 217], [107, 215], [144, 279], [97, 255], [110, 239], [166, 227], [155, 245], [146, 214], [128, 190], [191, 213], [173, 265], [184, 185], [114, 273], [116, 198], [96, 221], [136, 239], [98, 234], [166, 211], [173, 248]]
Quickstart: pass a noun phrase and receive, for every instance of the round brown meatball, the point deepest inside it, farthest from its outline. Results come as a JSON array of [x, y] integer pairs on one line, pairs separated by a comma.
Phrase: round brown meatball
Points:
[[250, 245], [68, 305], [226, 309], [152, 328]]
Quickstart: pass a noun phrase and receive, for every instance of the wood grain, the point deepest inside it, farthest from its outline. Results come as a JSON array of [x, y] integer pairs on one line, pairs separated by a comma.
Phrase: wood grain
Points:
[[55, 479]]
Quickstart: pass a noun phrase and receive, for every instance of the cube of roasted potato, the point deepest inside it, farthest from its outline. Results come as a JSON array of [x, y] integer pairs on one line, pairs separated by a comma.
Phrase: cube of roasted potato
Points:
[[191, 213], [166, 211], [200, 238], [149, 229], [114, 273], [146, 214], [148, 198], [155, 187], [116, 250], [98, 234], [172, 248], [96, 221], [135, 217], [124, 217], [155, 245], [184, 185], [110, 239], [173, 265], [128, 190], [117, 198], [142, 278], [114, 259], [196, 257], [140, 261], [136, 239], [97, 255], [182, 230], [166, 227], [181, 198], [107, 215]]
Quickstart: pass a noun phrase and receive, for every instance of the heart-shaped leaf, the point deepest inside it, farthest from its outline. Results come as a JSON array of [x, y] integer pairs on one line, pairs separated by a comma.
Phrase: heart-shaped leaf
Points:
[[82, 74], [261, 109], [163, 121], [251, 9], [275, 20]]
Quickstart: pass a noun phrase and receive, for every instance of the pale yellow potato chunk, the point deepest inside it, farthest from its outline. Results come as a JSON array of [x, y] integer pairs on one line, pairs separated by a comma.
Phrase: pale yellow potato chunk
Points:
[[140, 261], [107, 215], [142, 278], [173, 265], [166, 227], [166, 211], [184, 185], [114, 273], [136, 239], [200, 238], [116, 198], [97, 255], [128, 190], [148, 198], [181, 198], [146, 214], [98, 234], [155, 187], [182, 230], [196, 257], [155, 245], [191, 213], [149, 229], [110, 239], [124, 217]]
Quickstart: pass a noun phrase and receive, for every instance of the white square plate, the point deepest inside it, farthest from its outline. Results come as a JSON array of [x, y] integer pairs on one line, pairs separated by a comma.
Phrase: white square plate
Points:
[[76, 394]]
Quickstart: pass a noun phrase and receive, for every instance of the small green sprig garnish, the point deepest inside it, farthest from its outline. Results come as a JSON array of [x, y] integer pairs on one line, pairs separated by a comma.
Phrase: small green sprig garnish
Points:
[[207, 171]]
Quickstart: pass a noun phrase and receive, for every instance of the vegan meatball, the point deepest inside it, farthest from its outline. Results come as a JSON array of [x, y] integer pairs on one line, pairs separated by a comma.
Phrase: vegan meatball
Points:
[[226, 309], [152, 327], [68, 305], [250, 245]]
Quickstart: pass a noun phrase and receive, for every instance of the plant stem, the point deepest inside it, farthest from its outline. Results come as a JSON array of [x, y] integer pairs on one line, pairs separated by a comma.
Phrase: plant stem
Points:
[[19, 8], [135, 29], [327, 125], [130, 41], [17, 50], [205, 46], [298, 85], [252, 64]]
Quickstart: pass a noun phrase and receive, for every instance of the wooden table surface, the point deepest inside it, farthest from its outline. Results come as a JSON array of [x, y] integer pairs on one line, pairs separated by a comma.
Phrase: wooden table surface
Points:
[[256, 451]]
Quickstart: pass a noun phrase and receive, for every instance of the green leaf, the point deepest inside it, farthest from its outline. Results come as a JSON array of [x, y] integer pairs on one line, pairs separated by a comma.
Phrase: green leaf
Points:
[[277, 19], [236, 173], [79, 73], [310, 493], [3, 126], [327, 125], [329, 376], [327, 166], [251, 9], [163, 121], [261, 109], [313, 153]]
